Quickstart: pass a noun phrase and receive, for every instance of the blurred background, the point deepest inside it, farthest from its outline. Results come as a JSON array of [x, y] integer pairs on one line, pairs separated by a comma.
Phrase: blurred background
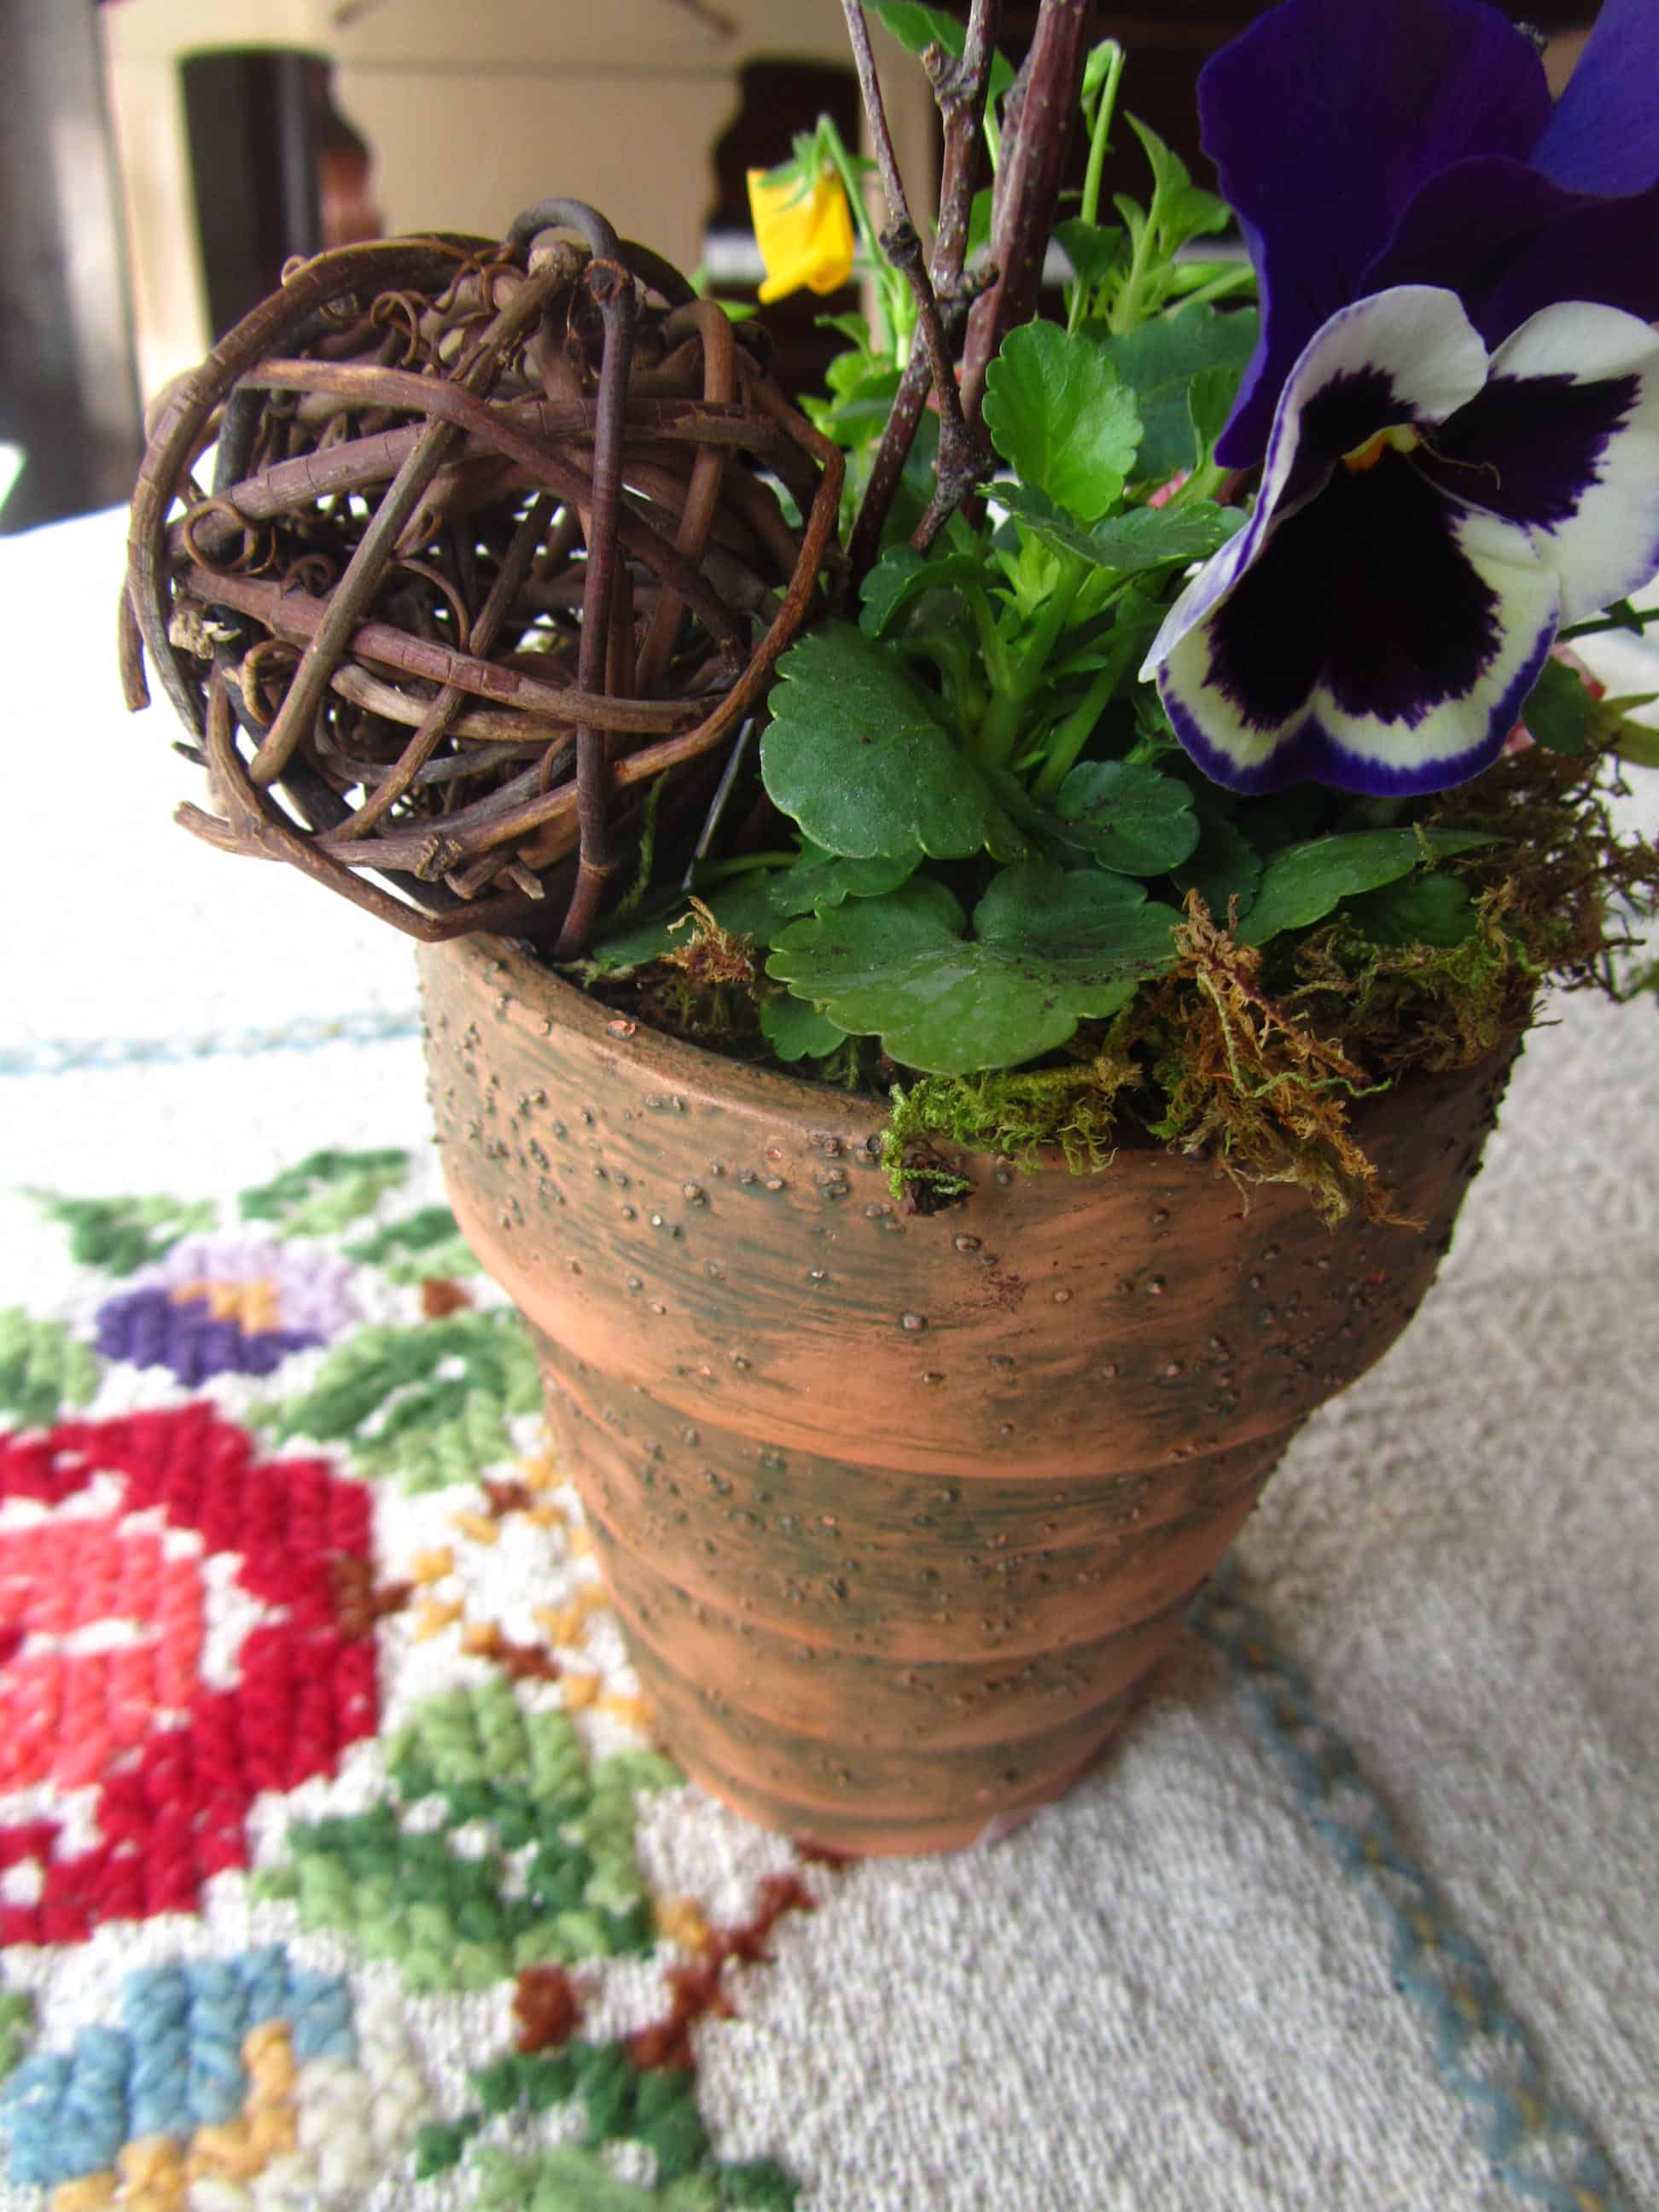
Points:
[[162, 159]]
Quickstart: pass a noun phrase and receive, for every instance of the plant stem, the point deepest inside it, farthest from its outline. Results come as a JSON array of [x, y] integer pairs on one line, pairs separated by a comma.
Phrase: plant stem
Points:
[[1230, 279], [1098, 149], [1638, 619], [717, 872], [1074, 732], [830, 139], [994, 742]]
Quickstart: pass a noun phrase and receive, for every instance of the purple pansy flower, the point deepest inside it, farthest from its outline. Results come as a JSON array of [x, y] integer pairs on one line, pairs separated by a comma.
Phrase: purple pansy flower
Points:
[[1429, 514], [1417, 144]]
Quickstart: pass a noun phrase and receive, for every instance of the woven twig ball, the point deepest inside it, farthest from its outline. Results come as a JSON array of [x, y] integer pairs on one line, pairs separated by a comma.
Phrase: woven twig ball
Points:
[[498, 536]]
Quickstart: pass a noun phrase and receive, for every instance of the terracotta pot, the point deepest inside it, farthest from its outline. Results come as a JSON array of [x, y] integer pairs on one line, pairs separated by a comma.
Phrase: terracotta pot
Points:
[[896, 1509]]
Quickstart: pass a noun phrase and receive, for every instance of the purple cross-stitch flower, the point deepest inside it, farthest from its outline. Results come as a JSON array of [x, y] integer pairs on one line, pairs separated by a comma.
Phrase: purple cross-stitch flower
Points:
[[1414, 142], [1429, 515]]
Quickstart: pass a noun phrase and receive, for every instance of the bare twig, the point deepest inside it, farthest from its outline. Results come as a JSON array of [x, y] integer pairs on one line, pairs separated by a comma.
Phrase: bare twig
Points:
[[963, 454], [1039, 117]]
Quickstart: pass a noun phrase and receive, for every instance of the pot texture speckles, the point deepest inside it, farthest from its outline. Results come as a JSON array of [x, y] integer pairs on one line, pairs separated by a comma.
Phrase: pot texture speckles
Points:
[[896, 1508]]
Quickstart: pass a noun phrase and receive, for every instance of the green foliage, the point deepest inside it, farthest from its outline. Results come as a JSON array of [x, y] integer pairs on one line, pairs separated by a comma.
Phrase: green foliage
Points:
[[427, 1405], [1160, 361], [16, 2028], [1142, 538], [1060, 414], [1047, 948], [1302, 883], [859, 758], [1131, 819], [121, 1235], [1560, 710], [797, 1031], [422, 1244], [324, 1191], [43, 1369]]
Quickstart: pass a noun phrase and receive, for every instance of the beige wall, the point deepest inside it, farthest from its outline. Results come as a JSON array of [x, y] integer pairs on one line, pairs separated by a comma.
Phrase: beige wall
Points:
[[474, 109]]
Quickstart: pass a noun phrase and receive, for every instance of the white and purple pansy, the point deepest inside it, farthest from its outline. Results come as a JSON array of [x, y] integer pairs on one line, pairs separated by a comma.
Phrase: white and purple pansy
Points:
[[1429, 515]]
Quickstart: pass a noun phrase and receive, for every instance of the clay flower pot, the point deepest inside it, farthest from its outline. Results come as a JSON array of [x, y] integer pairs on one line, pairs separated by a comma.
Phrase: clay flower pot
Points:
[[896, 1509]]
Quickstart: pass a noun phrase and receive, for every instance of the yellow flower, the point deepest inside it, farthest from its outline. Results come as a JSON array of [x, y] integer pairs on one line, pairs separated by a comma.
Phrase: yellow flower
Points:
[[803, 230]]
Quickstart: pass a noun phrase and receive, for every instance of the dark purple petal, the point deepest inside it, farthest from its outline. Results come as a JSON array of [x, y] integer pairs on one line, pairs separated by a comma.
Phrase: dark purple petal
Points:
[[1529, 448], [1510, 242], [1324, 122], [1604, 134], [1365, 589]]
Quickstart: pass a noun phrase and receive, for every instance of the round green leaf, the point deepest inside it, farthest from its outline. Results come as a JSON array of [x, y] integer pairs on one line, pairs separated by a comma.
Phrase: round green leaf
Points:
[[1131, 816], [1050, 947], [856, 757], [796, 1029]]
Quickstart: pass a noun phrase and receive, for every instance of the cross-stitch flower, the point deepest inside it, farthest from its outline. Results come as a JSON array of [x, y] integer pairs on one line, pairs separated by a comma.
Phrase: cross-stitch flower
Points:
[[1419, 146], [170, 1692], [214, 1307], [1429, 515], [804, 228]]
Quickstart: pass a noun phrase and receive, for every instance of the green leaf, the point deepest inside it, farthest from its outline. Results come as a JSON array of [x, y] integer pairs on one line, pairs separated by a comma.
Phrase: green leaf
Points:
[[902, 574], [1145, 537], [855, 754], [1051, 946], [1093, 249], [1209, 403], [1558, 709], [797, 1031], [916, 28], [1224, 866], [324, 1191], [1419, 909], [1060, 414], [1302, 883], [1133, 820], [1159, 363], [1179, 210]]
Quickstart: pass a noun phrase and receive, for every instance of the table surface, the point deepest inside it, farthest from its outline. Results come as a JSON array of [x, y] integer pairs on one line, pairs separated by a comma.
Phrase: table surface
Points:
[[1361, 1915]]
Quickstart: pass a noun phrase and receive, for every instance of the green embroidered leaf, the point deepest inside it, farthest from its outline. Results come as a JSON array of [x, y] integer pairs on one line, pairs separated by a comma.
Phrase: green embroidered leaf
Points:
[[1302, 883], [1560, 710], [1133, 819], [1062, 417], [423, 1244], [855, 754], [1050, 947], [324, 1191], [759, 2185], [1420, 909], [916, 28], [1145, 537], [43, 1369], [1159, 363], [428, 1404], [121, 1235], [796, 1030], [16, 2028]]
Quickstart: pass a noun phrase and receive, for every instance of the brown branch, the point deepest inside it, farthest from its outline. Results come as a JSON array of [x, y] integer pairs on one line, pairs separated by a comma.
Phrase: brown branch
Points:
[[612, 289], [1039, 117], [964, 456], [959, 90]]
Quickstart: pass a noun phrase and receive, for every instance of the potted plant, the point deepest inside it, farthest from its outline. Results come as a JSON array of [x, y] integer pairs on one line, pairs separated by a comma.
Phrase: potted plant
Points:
[[975, 923]]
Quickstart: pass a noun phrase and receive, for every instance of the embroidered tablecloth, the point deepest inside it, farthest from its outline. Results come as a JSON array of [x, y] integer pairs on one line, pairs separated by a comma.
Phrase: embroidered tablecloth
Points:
[[338, 1864]]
